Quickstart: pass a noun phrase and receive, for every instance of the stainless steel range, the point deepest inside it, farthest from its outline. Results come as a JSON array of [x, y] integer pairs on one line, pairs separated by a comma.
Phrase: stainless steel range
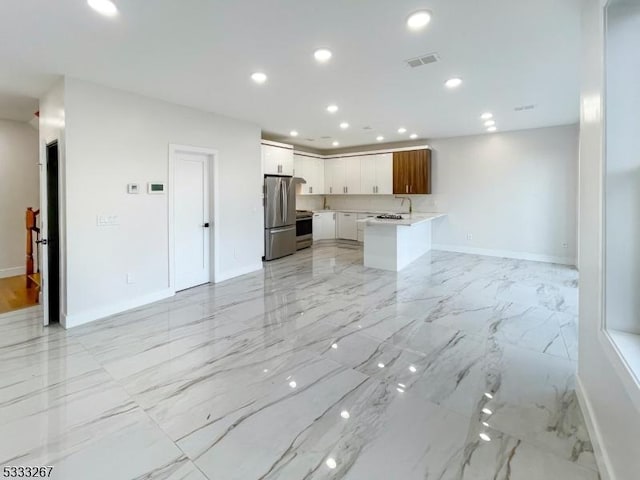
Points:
[[304, 229]]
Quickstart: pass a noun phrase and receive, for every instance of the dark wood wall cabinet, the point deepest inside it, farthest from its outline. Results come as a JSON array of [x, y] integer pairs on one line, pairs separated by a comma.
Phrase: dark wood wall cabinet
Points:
[[412, 172]]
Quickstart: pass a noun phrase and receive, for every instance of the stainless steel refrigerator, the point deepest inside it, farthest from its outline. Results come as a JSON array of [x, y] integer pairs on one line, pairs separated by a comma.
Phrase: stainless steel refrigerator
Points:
[[279, 217]]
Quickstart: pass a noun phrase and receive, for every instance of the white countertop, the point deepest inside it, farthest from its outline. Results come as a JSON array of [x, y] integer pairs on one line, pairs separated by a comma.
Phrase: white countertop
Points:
[[407, 219], [347, 210]]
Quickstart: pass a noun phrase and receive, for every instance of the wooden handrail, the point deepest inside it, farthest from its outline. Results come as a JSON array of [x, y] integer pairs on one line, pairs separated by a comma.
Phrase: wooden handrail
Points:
[[31, 224]]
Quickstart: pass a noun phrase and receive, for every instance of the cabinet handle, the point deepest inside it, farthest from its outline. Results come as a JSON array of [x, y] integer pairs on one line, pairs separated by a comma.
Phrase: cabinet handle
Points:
[[330, 189], [374, 189], [406, 188], [310, 189], [410, 188]]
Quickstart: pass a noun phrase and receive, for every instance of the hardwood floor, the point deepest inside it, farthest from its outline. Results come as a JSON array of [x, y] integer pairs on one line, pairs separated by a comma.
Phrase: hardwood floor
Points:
[[14, 294]]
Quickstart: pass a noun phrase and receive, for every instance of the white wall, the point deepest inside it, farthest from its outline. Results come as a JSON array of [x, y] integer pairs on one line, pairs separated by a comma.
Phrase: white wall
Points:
[[613, 419], [114, 138], [18, 190], [623, 167], [514, 192]]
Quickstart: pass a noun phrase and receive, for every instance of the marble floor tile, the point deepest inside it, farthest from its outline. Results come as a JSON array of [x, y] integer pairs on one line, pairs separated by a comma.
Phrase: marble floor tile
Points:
[[499, 456], [534, 328], [345, 427], [533, 398], [313, 368]]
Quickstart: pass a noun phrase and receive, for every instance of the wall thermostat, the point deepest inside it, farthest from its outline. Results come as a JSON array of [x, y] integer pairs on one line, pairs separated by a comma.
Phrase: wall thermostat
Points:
[[133, 188], [155, 187]]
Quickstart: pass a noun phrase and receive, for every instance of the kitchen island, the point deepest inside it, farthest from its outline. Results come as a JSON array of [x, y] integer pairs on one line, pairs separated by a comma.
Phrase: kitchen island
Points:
[[394, 244]]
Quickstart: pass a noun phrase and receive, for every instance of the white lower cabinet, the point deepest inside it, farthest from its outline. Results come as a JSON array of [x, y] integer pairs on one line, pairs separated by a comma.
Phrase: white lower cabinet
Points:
[[324, 226], [362, 216], [347, 226]]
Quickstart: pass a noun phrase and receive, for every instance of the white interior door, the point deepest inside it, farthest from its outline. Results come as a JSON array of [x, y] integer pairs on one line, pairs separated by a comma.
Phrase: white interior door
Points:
[[43, 254], [191, 219]]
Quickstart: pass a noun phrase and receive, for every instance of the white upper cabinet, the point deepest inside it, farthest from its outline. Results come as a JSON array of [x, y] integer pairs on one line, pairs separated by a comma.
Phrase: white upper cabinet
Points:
[[384, 173], [312, 170], [368, 174], [352, 175], [277, 160], [334, 176], [376, 174], [342, 176]]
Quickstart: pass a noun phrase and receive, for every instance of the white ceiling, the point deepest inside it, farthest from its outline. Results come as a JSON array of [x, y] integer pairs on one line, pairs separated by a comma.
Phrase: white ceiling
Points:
[[201, 53]]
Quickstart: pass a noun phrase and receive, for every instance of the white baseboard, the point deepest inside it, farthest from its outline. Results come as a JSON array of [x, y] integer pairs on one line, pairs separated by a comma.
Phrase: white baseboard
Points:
[[12, 272], [76, 319], [536, 257], [228, 274], [602, 458]]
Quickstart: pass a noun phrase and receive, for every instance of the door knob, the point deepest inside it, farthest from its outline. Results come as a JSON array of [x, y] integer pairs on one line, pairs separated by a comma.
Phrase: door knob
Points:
[[206, 225], [44, 241]]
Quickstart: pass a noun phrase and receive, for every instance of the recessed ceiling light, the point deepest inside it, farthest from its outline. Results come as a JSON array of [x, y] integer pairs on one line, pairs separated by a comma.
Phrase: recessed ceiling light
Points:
[[322, 55], [485, 437], [293, 133], [332, 108], [344, 414], [489, 123], [454, 82], [331, 463], [344, 125], [259, 77], [335, 143], [492, 129], [413, 136], [402, 130], [418, 20], [104, 7], [379, 138], [486, 116]]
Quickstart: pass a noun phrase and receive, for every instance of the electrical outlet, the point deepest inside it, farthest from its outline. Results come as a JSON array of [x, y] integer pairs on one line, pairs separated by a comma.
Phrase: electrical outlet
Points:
[[469, 236], [565, 245], [130, 279]]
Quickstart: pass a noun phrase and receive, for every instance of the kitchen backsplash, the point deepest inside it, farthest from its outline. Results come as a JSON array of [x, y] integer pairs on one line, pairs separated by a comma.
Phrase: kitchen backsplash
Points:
[[421, 203]]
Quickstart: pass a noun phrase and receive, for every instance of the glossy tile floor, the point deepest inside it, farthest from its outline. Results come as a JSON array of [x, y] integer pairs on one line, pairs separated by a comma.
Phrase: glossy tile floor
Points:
[[459, 367]]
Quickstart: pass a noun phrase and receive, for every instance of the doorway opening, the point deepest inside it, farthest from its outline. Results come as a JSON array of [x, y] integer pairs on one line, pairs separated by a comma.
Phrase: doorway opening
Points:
[[19, 220], [51, 240]]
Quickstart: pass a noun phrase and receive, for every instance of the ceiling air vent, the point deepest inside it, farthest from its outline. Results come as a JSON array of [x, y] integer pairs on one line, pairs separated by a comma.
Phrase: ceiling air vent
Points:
[[423, 60], [522, 108]]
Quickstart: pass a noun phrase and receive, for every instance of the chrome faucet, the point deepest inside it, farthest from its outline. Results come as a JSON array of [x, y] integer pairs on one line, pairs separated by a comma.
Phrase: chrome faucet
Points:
[[410, 203]]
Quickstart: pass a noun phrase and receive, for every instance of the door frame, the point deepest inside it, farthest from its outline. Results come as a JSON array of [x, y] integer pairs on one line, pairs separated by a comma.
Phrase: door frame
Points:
[[43, 254], [212, 154]]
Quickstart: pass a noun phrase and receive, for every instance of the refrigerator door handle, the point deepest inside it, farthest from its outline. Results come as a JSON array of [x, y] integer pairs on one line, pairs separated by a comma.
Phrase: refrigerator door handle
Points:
[[281, 229], [283, 202]]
